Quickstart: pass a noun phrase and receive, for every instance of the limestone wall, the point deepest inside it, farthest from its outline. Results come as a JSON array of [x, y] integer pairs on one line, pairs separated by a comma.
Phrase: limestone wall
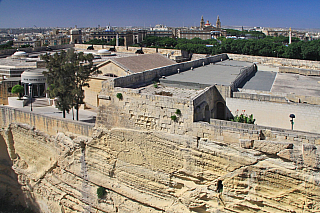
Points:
[[143, 111], [50, 125], [277, 114], [159, 172], [299, 71], [305, 64]]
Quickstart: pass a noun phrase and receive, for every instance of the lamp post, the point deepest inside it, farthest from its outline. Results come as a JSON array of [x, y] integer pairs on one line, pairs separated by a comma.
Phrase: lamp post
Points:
[[292, 116], [30, 95]]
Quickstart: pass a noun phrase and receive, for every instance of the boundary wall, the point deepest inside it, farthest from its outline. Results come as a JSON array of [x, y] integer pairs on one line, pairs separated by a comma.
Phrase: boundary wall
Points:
[[296, 63], [50, 125]]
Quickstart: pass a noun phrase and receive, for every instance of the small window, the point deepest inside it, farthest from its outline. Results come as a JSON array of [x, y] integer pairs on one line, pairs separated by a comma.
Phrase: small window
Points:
[[9, 89]]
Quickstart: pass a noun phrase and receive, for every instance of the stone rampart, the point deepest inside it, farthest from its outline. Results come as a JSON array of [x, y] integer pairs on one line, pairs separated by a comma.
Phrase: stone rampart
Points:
[[47, 124], [305, 64]]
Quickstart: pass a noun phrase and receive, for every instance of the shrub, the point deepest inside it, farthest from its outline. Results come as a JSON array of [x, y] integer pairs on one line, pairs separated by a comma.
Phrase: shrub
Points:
[[119, 96], [155, 84], [17, 89], [101, 191], [173, 117], [244, 119], [178, 112]]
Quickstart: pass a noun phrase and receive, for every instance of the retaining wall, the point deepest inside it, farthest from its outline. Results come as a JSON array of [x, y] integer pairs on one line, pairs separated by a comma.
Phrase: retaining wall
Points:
[[47, 124]]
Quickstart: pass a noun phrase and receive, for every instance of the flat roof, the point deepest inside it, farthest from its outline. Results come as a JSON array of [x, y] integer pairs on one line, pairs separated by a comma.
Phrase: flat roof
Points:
[[297, 84], [222, 73], [17, 63]]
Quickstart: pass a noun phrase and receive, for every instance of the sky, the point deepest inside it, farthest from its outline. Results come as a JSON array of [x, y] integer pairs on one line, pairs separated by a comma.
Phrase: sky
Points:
[[172, 13]]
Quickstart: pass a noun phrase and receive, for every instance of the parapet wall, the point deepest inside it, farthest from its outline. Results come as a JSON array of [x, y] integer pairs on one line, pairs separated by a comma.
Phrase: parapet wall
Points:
[[299, 71], [270, 133], [244, 73], [149, 75], [305, 64], [43, 123]]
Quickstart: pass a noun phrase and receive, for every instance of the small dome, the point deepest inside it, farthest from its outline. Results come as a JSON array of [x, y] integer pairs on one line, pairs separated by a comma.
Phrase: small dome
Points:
[[20, 54], [104, 52]]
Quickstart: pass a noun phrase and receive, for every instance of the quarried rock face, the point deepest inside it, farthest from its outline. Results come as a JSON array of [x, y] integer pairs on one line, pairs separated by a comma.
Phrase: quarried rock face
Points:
[[156, 172]]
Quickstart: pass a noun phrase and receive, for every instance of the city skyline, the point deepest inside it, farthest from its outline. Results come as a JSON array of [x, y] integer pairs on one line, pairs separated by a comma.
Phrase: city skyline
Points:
[[122, 13]]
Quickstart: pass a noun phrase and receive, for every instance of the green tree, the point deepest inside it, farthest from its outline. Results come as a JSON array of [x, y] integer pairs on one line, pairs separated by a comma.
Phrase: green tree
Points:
[[68, 72], [17, 89]]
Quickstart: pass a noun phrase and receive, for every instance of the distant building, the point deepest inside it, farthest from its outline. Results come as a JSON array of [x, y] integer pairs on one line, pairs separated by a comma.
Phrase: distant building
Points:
[[130, 36], [75, 36], [206, 31], [284, 32]]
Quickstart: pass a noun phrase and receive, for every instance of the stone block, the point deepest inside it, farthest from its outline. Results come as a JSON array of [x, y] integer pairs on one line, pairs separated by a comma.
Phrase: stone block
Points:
[[271, 147], [310, 155], [246, 143]]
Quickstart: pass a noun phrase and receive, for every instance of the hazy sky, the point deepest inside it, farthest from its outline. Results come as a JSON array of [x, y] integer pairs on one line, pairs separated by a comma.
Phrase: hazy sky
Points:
[[91, 13]]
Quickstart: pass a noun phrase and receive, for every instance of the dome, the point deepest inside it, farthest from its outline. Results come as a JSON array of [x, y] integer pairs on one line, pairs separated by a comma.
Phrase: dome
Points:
[[104, 52], [20, 54], [33, 76]]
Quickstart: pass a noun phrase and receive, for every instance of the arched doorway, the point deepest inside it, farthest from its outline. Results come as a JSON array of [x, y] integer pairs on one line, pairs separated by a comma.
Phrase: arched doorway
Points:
[[221, 111]]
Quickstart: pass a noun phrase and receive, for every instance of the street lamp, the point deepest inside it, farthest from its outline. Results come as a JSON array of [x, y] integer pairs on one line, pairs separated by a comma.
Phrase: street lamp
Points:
[[30, 94], [292, 116]]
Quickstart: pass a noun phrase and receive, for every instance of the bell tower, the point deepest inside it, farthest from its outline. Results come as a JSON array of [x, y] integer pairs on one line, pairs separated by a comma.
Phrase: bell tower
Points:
[[202, 23], [218, 23]]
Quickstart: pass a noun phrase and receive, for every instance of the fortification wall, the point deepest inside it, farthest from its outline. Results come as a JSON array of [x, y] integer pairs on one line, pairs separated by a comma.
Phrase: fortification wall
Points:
[[277, 114], [305, 64], [47, 124], [146, 171]]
